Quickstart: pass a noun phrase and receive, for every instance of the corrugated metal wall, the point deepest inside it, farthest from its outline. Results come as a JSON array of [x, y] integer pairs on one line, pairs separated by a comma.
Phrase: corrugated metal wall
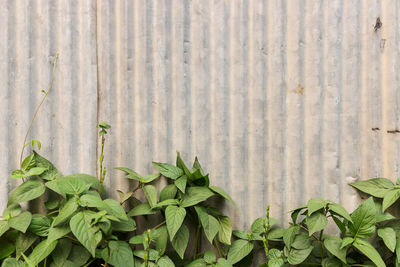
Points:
[[281, 100]]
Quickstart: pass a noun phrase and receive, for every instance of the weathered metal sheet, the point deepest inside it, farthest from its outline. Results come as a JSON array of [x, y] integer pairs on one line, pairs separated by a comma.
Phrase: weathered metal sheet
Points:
[[280, 100]]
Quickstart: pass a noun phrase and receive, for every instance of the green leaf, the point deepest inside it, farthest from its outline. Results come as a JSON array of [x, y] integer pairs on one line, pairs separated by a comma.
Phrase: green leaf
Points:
[[316, 222], [120, 254], [131, 174], [124, 226], [209, 223], [168, 192], [165, 261], [209, 257], [21, 222], [346, 241], [239, 250], [161, 239], [180, 241], [104, 125], [196, 194], [223, 263], [79, 255], [181, 183], [168, 170], [41, 251], [51, 172], [398, 251], [150, 178], [23, 242], [339, 210], [222, 193], [257, 227], [376, 187], [389, 198], [61, 252], [81, 227], [114, 208], [17, 174], [141, 253], [92, 201], [174, 217], [180, 164], [382, 216], [225, 230], [90, 180], [364, 219], [71, 185], [332, 262], [40, 225], [136, 240], [333, 245], [389, 237], [368, 250], [35, 171], [28, 162], [313, 205], [141, 209], [297, 256], [12, 211], [3, 227], [11, 262], [151, 194], [66, 211], [27, 191], [289, 235], [6, 248], [301, 241], [58, 232]]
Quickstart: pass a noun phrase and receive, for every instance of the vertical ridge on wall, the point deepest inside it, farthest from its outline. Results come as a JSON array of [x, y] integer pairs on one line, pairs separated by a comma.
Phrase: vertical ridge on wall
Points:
[[281, 100]]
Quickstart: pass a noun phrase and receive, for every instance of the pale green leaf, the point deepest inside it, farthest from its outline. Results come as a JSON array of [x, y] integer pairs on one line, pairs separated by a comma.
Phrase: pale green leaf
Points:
[[257, 227], [209, 223], [71, 185], [27, 191], [66, 211], [181, 183], [297, 256], [21, 222], [174, 217], [161, 239], [389, 198], [316, 222], [364, 219], [346, 241], [196, 194], [12, 262], [51, 171], [150, 178], [151, 194], [289, 235], [376, 187], [339, 210], [165, 261], [314, 204], [81, 227], [239, 250], [124, 226], [58, 232], [209, 257], [114, 208], [389, 237], [120, 254], [168, 192], [3, 227], [301, 241], [141, 209], [333, 245], [168, 170], [41, 251], [90, 180], [225, 230], [222, 193], [92, 201]]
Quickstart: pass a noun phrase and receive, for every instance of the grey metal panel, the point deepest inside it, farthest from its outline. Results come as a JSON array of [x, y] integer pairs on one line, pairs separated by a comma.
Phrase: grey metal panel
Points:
[[278, 99]]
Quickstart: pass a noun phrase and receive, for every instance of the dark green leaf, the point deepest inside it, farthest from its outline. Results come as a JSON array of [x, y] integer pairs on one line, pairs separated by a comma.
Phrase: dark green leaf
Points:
[[376, 187], [51, 172], [120, 254], [66, 211], [301, 241], [166, 202], [346, 241], [79, 255], [124, 226], [61, 252], [40, 225], [29, 190], [161, 239], [23, 242], [209, 223], [180, 164], [6, 248], [180, 241], [368, 250]]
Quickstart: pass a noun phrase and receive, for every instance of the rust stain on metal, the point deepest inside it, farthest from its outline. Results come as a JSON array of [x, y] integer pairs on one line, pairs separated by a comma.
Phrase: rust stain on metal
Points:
[[298, 90]]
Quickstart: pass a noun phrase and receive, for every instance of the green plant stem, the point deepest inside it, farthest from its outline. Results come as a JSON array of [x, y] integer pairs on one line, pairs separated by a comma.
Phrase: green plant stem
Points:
[[321, 247], [147, 248], [73, 239], [37, 110], [101, 163], [90, 262], [196, 244], [217, 247], [159, 225], [52, 212]]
